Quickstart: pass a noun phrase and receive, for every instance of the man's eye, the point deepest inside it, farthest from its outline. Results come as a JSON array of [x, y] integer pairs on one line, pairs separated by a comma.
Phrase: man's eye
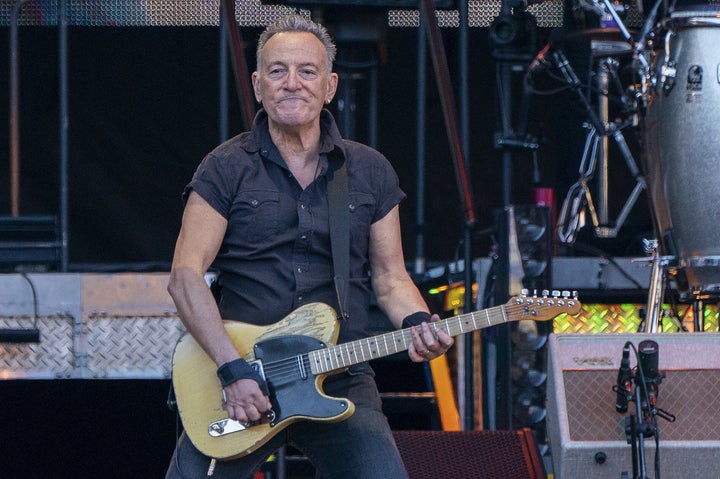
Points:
[[308, 74], [276, 72]]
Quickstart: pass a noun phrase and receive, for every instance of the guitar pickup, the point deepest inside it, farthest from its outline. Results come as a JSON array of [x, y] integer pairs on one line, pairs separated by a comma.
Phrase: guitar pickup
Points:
[[258, 367]]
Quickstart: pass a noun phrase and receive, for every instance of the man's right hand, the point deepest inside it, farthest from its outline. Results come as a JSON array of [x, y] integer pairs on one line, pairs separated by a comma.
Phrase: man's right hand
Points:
[[245, 401]]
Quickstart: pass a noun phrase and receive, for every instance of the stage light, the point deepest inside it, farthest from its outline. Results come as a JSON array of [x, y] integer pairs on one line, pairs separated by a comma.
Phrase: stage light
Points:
[[513, 36]]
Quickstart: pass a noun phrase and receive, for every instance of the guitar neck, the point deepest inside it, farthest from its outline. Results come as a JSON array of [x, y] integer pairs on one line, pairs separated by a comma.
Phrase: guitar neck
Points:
[[347, 354]]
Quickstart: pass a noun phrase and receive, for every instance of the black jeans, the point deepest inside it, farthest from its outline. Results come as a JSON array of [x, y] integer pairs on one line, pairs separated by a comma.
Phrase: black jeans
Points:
[[361, 447]]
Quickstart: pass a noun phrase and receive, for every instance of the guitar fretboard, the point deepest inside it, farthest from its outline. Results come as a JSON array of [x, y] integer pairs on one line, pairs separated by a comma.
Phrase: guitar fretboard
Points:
[[347, 354]]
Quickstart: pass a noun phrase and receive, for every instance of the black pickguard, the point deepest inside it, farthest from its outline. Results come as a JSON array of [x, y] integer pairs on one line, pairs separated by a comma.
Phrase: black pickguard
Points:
[[293, 392]]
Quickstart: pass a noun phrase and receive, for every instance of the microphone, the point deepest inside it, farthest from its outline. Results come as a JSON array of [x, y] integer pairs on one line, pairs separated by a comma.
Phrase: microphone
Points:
[[648, 359], [544, 57], [624, 381]]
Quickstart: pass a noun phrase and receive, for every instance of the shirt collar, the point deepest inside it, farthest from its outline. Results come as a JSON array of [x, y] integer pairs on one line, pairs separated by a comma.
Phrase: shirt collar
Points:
[[331, 142]]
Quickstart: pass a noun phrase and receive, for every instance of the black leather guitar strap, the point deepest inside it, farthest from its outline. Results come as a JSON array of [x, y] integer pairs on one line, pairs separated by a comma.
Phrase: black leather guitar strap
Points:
[[339, 217]]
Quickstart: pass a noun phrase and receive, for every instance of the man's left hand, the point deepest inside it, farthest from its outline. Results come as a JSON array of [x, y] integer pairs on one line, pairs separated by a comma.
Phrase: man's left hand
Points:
[[427, 345]]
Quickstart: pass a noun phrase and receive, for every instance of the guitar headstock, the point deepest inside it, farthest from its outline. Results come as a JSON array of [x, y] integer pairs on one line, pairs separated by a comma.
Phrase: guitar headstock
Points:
[[543, 307]]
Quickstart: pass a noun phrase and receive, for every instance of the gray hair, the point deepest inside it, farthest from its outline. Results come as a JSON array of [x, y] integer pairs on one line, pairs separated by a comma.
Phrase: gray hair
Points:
[[298, 23]]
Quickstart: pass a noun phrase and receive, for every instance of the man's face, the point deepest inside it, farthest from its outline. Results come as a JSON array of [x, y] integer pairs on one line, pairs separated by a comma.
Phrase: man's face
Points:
[[292, 81]]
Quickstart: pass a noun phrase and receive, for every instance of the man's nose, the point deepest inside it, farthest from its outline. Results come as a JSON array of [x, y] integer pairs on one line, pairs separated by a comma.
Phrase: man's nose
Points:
[[292, 81]]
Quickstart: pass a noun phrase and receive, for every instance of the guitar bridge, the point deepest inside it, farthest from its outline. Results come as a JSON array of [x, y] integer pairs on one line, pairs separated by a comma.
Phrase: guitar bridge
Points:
[[227, 426]]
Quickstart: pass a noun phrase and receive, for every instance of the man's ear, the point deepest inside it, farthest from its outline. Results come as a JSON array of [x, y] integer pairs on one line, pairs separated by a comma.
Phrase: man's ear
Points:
[[332, 87], [256, 88]]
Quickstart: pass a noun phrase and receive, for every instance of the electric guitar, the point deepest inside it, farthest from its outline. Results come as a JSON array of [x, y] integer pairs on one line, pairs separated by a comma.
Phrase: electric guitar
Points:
[[295, 355]]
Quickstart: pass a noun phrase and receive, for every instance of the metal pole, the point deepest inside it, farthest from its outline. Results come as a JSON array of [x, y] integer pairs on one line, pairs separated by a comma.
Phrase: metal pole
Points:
[[373, 108], [223, 96], [603, 84], [468, 414], [15, 111], [653, 311], [64, 132], [420, 147]]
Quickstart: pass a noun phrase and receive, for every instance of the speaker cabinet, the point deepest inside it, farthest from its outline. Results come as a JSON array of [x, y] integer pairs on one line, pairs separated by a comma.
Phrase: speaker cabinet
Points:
[[469, 454], [584, 427]]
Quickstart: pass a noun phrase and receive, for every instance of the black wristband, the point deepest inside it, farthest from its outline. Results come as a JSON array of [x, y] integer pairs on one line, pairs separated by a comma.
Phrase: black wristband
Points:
[[240, 369], [416, 319]]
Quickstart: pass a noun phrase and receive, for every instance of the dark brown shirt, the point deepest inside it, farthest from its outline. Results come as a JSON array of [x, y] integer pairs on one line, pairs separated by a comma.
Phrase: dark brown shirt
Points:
[[276, 253]]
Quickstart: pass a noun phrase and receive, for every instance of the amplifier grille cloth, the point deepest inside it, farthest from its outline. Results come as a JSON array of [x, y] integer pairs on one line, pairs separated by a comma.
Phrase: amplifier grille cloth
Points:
[[486, 454], [690, 395]]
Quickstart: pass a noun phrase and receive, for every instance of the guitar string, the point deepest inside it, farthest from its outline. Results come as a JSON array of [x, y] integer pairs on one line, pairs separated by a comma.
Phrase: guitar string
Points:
[[343, 358], [287, 368]]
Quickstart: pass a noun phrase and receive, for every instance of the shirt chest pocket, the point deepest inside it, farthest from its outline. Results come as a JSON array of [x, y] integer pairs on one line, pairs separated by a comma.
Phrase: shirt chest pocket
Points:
[[255, 214], [362, 210]]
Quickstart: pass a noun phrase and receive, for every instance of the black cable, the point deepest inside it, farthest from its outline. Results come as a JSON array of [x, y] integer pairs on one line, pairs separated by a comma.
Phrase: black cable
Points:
[[651, 414], [35, 299], [604, 255], [23, 335]]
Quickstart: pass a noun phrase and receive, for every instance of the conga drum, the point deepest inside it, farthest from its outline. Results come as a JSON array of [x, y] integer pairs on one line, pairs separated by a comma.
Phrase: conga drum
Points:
[[681, 145]]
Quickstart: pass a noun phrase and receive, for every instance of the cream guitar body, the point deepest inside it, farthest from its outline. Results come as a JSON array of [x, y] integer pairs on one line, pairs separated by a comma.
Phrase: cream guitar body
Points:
[[294, 356]]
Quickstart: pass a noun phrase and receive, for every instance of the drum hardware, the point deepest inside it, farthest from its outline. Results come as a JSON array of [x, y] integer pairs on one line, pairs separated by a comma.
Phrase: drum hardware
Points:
[[595, 157], [611, 9], [605, 43], [656, 292], [699, 300], [641, 64], [668, 70], [664, 268]]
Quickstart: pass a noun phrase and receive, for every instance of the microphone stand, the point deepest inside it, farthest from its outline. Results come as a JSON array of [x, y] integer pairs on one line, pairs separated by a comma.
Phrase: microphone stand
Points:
[[643, 423], [635, 432]]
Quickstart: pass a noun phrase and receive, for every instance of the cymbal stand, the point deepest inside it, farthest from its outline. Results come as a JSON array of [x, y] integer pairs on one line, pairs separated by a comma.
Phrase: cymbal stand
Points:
[[595, 157]]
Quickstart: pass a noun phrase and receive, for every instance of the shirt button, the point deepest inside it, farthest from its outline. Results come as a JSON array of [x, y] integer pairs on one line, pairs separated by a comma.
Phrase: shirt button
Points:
[[300, 298], [302, 206], [299, 270], [351, 207], [254, 202], [303, 237]]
